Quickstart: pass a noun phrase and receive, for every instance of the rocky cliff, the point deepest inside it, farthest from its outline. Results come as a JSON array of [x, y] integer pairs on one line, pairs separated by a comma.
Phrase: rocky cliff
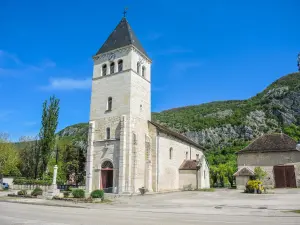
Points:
[[224, 123]]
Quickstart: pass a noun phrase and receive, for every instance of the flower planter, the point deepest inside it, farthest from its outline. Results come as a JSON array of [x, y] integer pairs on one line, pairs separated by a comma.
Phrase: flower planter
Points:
[[143, 190]]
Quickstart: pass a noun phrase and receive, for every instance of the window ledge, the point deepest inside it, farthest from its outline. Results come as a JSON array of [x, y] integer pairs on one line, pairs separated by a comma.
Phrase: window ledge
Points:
[[107, 111]]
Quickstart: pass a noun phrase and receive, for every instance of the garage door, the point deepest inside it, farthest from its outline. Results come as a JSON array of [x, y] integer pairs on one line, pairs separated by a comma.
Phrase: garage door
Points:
[[284, 176]]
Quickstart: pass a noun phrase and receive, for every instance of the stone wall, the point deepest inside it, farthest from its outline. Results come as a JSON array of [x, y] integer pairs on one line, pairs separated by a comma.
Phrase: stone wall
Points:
[[267, 161], [168, 169], [187, 179], [241, 182]]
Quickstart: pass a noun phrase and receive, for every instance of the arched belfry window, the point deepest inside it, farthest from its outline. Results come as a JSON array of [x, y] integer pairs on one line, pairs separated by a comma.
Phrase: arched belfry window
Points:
[[143, 71], [107, 133], [120, 65], [138, 67], [170, 153], [109, 103], [104, 70], [112, 68]]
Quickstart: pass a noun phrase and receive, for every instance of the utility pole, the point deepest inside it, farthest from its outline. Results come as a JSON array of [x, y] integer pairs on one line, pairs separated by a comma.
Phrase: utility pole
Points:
[[298, 62]]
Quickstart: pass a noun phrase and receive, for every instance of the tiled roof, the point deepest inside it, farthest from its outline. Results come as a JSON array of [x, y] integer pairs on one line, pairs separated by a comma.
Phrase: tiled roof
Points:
[[121, 36], [271, 143], [188, 165], [175, 134], [244, 171]]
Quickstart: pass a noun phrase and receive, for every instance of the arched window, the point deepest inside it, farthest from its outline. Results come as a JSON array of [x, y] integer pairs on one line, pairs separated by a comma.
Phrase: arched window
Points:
[[109, 104], [107, 133], [112, 68], [120, 65], [138, 67], [107, 164], [186, 155], [143, 71], [104, 69], [170, 153]]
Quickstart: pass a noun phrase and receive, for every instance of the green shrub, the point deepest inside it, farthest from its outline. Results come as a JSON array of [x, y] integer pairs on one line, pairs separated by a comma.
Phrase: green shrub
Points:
[[37, 191], [67, 194], [23, 181], [22, 192], [78, 193], [97, 194]]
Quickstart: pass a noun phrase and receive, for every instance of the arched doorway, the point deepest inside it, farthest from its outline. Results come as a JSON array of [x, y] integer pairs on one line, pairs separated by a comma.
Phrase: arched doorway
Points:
[[107, 177]]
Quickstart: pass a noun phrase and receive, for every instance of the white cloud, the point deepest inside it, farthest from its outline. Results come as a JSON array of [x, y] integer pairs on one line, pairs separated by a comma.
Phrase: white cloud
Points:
[[12, 65], [67, 84]]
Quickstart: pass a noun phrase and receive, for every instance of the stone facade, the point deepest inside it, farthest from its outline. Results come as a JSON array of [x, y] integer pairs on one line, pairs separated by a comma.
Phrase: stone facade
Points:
[[267, 161], [126, 151], [266, 152]]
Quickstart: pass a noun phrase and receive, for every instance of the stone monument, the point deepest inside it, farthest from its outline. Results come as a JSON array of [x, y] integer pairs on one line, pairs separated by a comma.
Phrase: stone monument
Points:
[[53, 190]]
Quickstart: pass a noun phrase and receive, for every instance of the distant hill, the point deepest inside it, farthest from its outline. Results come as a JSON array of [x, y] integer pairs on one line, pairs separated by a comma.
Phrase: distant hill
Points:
[[226, 122]]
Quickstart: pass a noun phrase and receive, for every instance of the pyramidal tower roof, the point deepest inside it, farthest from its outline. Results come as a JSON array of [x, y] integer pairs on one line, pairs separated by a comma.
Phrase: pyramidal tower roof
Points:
[[121, 36]]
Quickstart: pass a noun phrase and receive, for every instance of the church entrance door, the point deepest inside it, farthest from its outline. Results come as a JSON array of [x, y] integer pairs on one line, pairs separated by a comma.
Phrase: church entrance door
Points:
[[107, 177]]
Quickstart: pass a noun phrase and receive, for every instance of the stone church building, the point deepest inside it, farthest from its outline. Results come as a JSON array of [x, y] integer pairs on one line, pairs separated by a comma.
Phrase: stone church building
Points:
[[127, 150]]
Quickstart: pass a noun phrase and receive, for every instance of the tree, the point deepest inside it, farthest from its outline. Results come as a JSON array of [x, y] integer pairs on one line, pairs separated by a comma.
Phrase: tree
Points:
[[9, 158], [30, 155], [214, 174], [293, 131], [259, 173], [47, 131], [230, 170], [74, 163]]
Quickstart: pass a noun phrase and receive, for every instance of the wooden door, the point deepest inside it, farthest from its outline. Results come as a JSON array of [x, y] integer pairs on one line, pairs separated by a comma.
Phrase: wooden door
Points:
[[284, 176], [290, 176], [279, 175]]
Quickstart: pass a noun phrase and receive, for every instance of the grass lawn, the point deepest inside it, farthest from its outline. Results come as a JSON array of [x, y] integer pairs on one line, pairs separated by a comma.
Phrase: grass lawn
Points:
[[295, 211], [207, 189]]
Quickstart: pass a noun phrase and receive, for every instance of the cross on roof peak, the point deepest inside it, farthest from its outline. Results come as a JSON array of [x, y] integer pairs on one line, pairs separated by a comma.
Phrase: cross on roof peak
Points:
[[125, 11]]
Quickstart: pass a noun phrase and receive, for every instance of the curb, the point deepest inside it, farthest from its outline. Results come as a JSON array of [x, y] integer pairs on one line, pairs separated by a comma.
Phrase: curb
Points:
[[45, 204]]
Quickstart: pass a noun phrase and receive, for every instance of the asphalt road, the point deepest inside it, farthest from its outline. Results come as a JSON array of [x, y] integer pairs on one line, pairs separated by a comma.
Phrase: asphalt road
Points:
[[14, 213]]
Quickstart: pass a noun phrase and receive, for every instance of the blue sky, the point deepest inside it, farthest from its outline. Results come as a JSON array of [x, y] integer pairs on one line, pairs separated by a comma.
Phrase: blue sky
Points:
[[202, 51]]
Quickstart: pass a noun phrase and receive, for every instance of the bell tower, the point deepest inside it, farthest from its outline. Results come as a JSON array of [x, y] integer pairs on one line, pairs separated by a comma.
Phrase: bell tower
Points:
[[120, 109]]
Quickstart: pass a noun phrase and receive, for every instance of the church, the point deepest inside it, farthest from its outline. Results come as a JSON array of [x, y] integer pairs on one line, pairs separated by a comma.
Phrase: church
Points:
[[126, 149]]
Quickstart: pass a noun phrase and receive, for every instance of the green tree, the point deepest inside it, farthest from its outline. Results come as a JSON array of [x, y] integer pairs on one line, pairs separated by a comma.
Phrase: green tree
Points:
[[30, 155], [293, 131], [47, 131], [214, 171], [259, 173], [231, 168], [74, 163], [9, 158]]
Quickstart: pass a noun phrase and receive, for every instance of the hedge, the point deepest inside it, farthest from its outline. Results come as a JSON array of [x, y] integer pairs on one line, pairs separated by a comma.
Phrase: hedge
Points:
[[21, 181]]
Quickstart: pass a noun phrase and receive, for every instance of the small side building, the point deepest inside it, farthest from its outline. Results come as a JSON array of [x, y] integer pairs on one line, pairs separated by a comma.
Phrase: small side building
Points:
[[274, 153], [194, 174]]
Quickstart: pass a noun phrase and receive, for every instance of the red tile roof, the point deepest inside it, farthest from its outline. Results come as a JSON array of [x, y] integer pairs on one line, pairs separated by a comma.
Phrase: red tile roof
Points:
[[188, 165]]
